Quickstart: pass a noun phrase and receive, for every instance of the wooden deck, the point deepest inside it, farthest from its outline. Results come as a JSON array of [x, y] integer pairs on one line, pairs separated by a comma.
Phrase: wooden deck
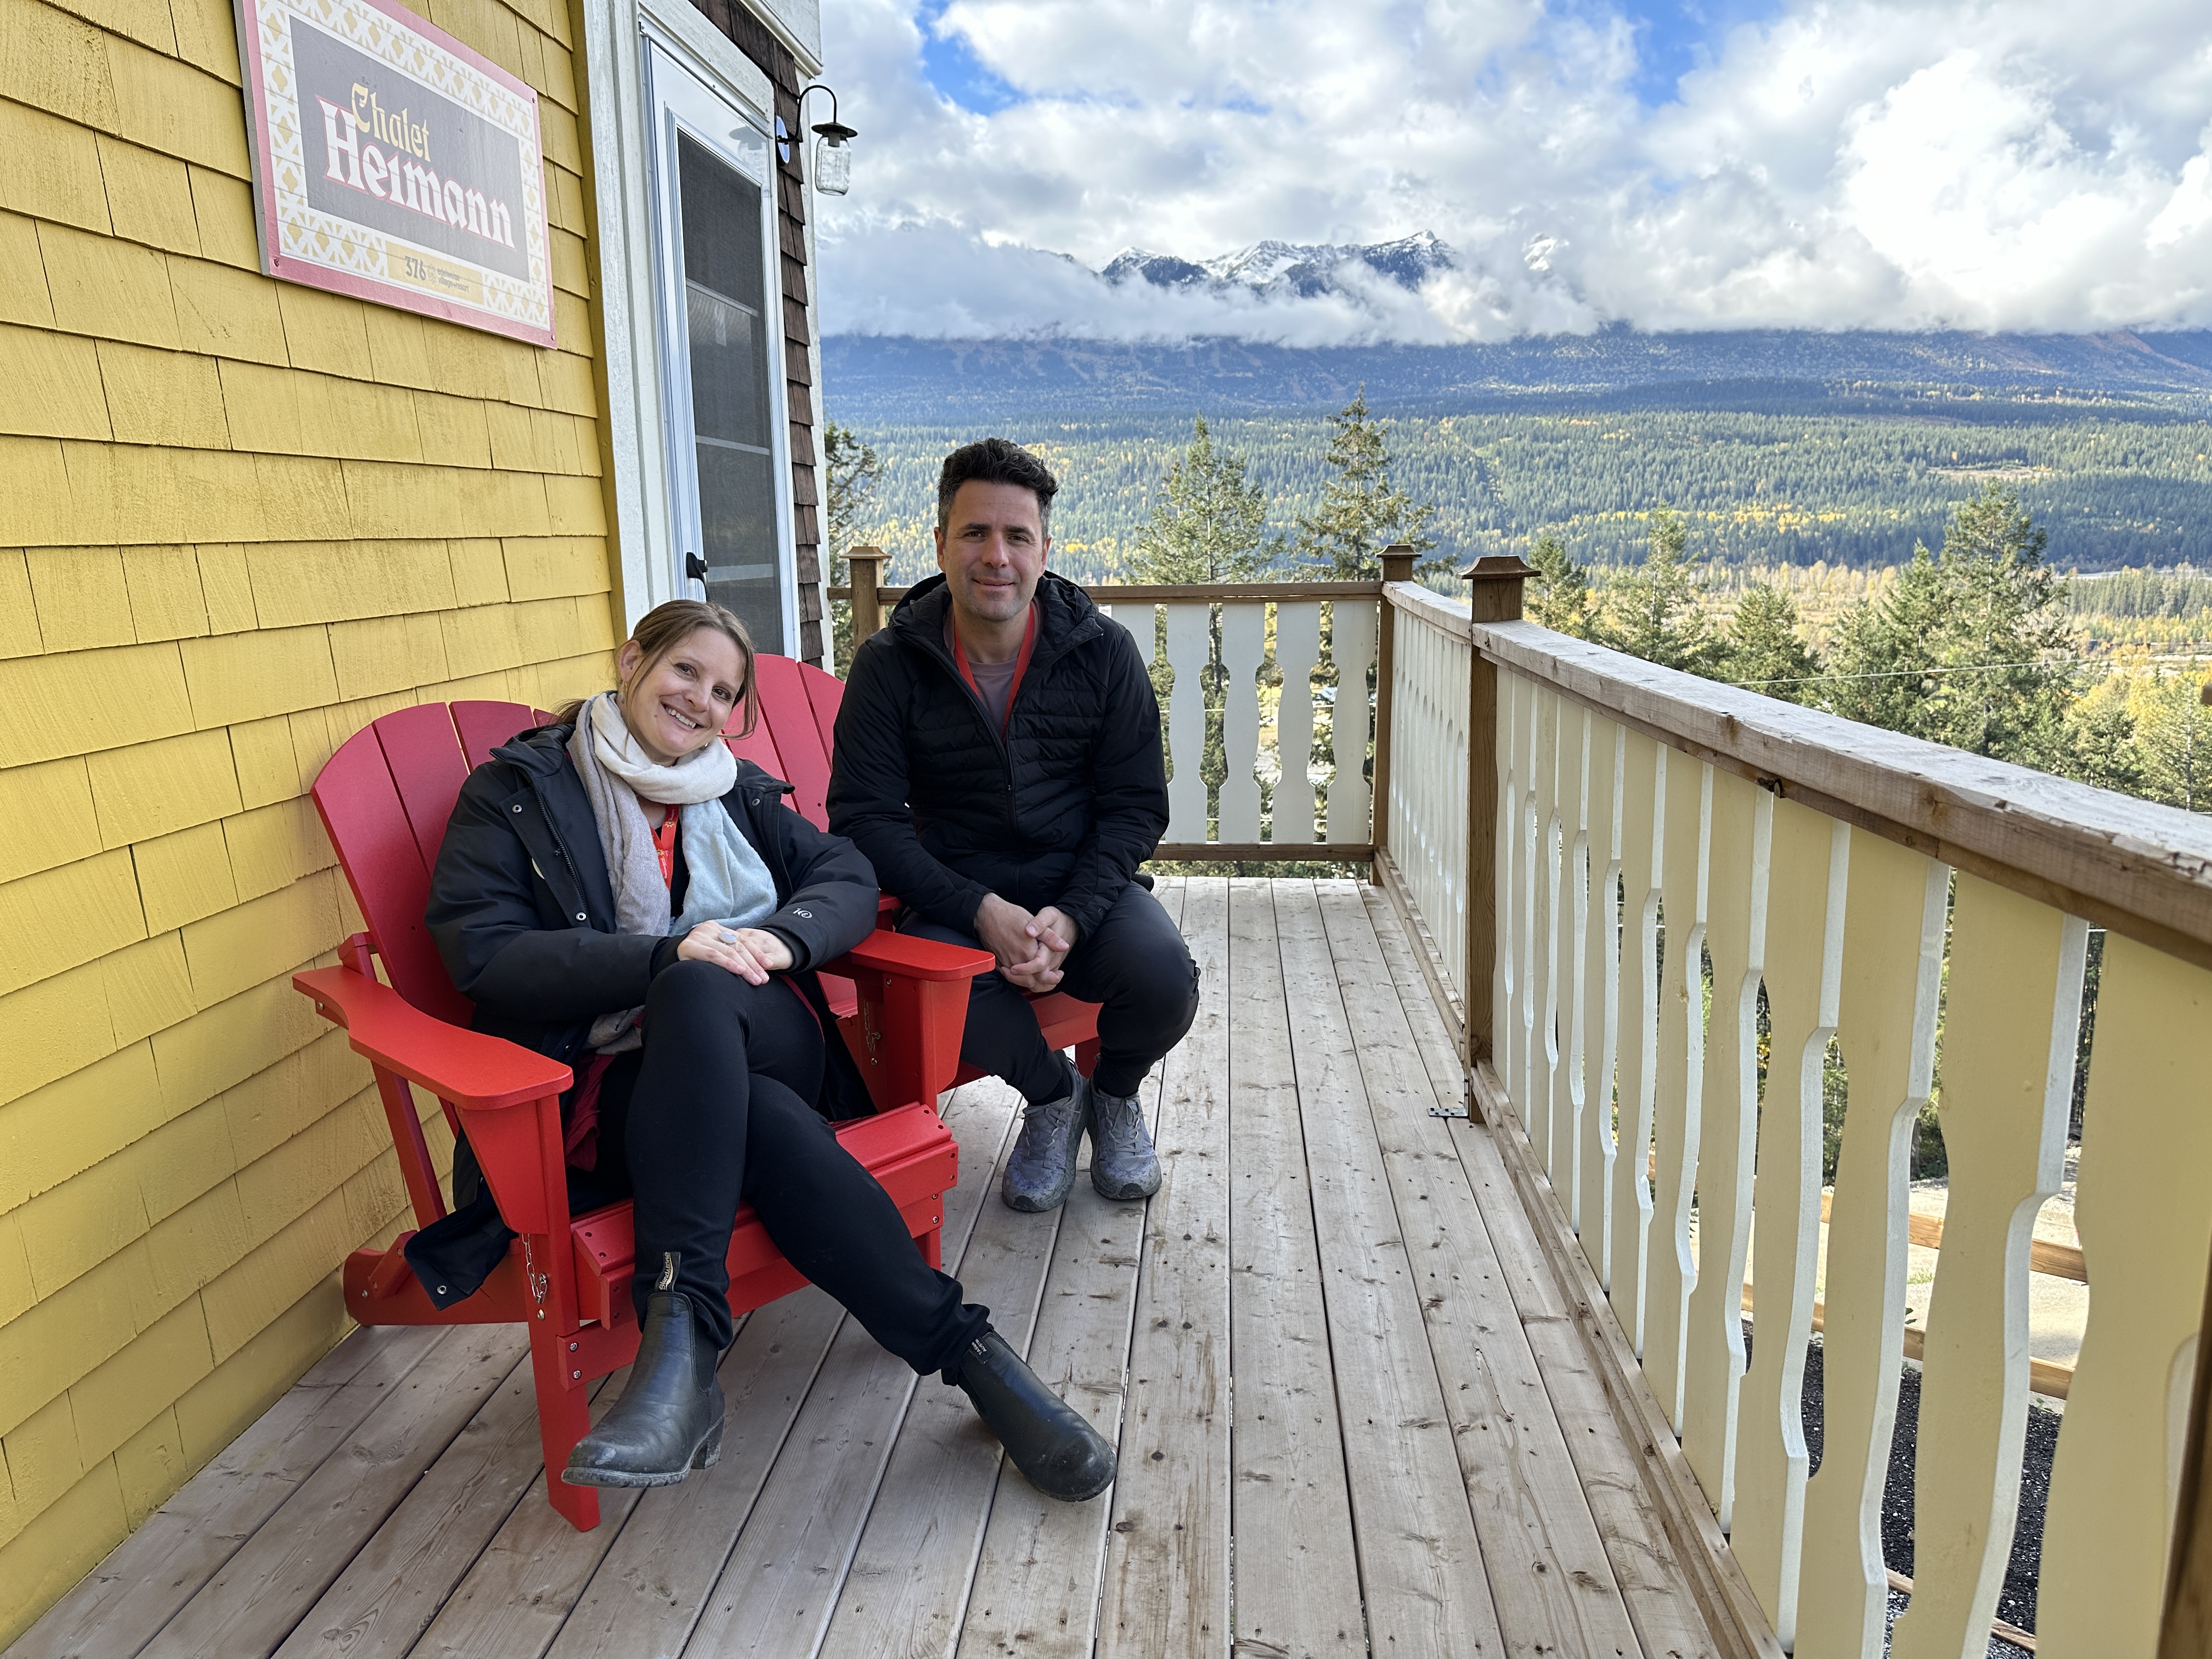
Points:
[[1356, 1410]]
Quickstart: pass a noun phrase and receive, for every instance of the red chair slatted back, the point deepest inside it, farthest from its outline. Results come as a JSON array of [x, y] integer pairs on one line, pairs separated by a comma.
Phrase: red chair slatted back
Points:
[[788, 712], [385, 798], [757, 745], [485, 726], [825, 692]]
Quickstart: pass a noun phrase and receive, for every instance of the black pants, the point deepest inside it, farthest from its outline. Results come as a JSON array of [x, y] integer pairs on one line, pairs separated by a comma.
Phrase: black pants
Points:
[[1133, 963], [718, 1111]]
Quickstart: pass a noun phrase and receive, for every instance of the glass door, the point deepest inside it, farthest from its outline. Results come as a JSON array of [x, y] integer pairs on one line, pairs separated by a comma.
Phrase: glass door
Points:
[[722, 353]]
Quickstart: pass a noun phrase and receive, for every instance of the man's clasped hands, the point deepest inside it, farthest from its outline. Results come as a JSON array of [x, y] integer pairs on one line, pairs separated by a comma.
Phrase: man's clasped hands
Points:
[[1030, 948]]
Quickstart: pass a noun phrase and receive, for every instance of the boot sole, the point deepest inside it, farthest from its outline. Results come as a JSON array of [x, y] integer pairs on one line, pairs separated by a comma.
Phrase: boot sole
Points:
[[709, 1454], [1077, 1497], [1122, 1194]]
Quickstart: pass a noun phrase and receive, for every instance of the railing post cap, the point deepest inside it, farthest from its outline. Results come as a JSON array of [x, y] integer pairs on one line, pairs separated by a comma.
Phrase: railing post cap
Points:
[[1496, 566], [1398, 561], [870, 554]]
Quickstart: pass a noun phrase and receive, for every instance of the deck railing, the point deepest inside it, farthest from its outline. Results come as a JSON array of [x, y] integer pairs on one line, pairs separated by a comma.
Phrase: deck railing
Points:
[[1652, 902]]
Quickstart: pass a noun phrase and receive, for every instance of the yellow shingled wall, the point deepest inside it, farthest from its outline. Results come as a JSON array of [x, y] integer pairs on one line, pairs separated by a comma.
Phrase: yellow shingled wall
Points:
[[239, 519]]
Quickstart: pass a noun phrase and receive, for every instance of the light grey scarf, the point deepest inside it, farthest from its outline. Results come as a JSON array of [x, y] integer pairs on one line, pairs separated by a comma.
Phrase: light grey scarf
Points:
[[728, 881]]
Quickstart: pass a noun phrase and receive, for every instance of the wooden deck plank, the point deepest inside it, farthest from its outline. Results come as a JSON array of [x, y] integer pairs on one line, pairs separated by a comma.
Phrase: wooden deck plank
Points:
[[1420, 1566], [253, 1603], [158, 1569], [907, 1583], [644, 1595], [1166, 1593], [396, 1583], [1554, 1589], [1297, 1572], [1035, 1588], [776, 1593], [1651, 1581], [519, 1589]]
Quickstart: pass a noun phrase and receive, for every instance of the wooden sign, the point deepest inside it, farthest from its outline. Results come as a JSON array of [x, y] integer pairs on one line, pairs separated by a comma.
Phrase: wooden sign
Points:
[[393, 163]]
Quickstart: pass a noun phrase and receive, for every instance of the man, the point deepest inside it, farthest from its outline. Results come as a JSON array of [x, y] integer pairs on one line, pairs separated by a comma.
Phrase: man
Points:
[[999, 761]]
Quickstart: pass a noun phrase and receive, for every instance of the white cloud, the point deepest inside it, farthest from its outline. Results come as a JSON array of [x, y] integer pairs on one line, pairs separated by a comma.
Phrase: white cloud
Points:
[[1846, 163]]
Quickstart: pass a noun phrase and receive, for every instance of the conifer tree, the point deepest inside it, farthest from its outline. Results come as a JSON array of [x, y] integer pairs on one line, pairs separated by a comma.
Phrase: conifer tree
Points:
[[1654, 610], [1208, 526], [1762, 649], [1360, 513], [1559, 596], [2173, 738], [852, 470]]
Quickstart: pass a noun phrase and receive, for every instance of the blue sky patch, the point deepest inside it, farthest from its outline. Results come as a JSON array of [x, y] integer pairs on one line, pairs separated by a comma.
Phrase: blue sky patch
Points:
[[1674, 37], [955, 72]]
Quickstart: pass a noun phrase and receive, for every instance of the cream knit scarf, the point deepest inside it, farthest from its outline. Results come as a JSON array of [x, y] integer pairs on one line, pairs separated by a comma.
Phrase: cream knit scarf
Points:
[[728, 882]]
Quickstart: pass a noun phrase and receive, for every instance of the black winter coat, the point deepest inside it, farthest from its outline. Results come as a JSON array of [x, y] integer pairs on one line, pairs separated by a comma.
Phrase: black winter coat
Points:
[[523, 913], [1060, 809]]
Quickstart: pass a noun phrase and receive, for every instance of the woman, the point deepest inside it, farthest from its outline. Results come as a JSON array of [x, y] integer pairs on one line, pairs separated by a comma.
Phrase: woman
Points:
[[617, 890]]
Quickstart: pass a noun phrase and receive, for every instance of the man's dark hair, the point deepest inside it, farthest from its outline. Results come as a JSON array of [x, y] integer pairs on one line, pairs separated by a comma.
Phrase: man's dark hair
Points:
[[995, 460]]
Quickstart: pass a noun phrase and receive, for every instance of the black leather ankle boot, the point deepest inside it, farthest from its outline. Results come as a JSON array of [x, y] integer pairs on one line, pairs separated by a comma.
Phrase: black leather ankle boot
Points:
[[1062, 1455], [669, 1419]]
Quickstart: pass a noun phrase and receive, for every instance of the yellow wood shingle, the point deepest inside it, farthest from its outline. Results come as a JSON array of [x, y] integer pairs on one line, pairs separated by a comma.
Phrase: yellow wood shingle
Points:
[[49, 818], [22, 274], [150, 789], [149, 195], [207, 37], [147, 986], [60, 1131], [275, 845], [101, 287], [223, 313], [82, 602], [174, 107], [245, 947], [165, 600], [150, 1465], [60, 918], [52, 1029], [59, 64], [53, 168], [168, 397], [57, 379], [184, 877]]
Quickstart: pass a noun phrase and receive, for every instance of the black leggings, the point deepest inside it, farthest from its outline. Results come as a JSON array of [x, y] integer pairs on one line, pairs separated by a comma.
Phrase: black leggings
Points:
[[1133, 963], [718, 1111]]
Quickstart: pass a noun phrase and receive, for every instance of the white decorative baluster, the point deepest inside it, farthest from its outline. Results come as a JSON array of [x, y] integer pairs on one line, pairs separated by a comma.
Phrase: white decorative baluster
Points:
[[1510, 973], [1642, 854], [2012, 1017], [1298, 648], [1187, 654], [1804, 980], [1893, 968], [1351, 638], [1678, 1102], [1735, 937], [1569, 933], [2143, 1207], [1540, 1007], [1598, 1018], [1244, 644]]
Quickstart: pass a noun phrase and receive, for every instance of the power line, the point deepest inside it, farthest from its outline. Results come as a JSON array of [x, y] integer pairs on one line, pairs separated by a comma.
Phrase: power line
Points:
[[1960, 668]]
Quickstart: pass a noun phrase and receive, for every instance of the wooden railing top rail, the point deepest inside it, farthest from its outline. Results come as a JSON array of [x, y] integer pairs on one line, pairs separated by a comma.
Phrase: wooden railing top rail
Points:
[[1175, 593], [2142, 869]]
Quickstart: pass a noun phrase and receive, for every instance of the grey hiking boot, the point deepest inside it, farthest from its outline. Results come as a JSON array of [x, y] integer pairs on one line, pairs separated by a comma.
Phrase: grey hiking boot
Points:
[[1043, 1167], [1122, 1163]]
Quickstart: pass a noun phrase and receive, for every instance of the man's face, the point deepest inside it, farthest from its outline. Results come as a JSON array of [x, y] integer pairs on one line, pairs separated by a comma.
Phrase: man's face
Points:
[[992, 550]]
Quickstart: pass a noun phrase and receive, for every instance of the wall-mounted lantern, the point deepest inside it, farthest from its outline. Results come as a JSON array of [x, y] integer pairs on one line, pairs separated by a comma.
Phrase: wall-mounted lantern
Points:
[[833, 163]]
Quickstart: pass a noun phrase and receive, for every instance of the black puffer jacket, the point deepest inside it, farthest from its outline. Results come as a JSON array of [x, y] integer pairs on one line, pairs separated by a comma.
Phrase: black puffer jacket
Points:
[[523, 913], [1059, 810]]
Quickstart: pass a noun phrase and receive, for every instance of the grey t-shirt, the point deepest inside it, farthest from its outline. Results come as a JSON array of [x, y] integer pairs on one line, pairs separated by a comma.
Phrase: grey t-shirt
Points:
[[994, 680]]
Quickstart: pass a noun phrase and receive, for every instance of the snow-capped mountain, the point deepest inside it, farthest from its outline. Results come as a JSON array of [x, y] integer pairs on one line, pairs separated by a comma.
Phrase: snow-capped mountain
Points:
[[1286, 269]]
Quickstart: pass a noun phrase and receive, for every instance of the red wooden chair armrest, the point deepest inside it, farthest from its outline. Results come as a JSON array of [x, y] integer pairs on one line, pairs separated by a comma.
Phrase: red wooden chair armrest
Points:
[[903, 957], [475, 1072]]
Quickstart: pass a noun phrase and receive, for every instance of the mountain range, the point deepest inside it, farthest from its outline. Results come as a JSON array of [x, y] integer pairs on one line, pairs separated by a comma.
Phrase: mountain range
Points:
[[1288, 270], [874, 379]]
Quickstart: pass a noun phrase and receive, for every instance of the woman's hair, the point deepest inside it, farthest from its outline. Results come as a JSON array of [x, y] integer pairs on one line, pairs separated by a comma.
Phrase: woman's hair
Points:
[[663, 628]]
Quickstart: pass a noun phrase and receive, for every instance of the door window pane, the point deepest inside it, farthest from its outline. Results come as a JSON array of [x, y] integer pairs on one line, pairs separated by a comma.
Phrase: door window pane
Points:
[[725, 279]]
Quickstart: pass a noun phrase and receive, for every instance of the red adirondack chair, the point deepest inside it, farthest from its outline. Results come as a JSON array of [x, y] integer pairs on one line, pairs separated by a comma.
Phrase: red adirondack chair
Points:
[[385, 797]]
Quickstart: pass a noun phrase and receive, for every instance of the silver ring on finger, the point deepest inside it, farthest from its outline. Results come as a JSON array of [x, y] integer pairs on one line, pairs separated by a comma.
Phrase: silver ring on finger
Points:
[[728, 938]]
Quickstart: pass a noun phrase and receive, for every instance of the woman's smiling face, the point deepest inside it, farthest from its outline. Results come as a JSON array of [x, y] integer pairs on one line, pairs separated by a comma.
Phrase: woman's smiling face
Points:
[[681, 704]]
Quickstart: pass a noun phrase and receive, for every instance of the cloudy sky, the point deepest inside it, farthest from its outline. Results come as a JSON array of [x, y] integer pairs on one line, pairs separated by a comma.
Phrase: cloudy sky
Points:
[[2029, 164]]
